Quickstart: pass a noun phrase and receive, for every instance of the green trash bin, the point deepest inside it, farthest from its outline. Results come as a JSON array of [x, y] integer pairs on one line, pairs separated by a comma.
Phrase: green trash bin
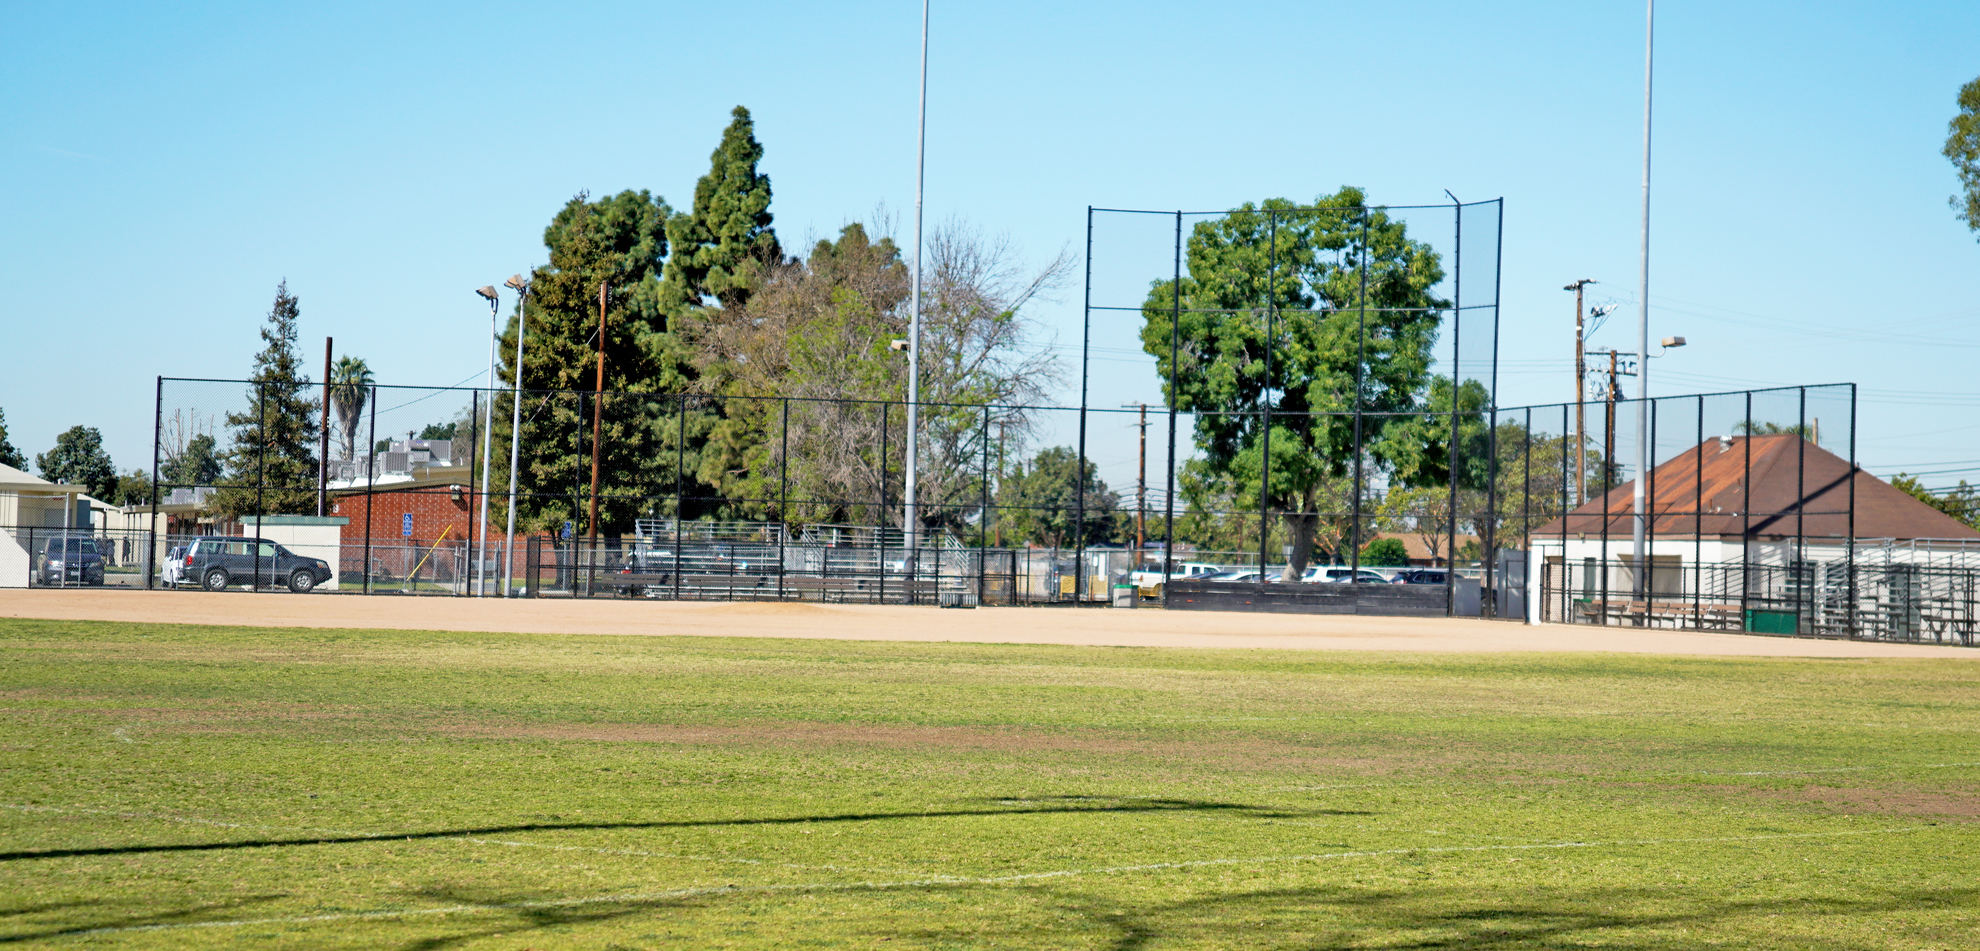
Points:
[[1760, 621]]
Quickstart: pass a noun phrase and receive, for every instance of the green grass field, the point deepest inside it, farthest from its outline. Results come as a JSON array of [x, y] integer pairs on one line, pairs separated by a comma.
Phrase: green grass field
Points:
[[169, 786]]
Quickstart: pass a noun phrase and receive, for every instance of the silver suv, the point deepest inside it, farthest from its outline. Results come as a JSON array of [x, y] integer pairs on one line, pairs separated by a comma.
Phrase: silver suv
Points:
[[216, 561]]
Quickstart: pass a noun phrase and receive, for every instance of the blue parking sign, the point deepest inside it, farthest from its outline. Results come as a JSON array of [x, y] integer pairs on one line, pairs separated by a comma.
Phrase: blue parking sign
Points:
[[405, 525]]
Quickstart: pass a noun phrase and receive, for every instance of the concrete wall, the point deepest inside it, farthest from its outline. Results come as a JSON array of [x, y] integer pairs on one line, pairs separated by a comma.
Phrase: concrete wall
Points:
[[306, 535]]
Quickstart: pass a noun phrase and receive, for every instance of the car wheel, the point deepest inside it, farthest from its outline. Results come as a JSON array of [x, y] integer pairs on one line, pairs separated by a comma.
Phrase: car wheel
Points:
[[302, 582], [215, 580]]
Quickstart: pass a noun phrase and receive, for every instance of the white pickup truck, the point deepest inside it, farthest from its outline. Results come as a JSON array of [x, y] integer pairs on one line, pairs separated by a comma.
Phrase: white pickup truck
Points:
[[1148, 578]]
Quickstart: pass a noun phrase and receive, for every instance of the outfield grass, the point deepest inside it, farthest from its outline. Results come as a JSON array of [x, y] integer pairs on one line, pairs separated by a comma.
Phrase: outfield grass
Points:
[[175, 786]]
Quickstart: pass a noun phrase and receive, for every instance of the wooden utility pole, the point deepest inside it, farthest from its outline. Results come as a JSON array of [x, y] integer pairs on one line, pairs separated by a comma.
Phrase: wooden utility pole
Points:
[[597, 404], [1141, 493], [1580, 396]]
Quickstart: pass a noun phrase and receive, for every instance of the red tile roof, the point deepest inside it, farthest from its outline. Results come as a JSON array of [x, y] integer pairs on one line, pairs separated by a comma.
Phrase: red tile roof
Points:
[[1796, 487]]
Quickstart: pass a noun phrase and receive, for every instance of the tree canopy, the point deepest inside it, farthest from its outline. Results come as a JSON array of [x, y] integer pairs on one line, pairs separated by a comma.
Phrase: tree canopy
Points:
[[1308, 312], [9, 455], [1040, 502], [723, 245], [1963, 148], [78, 459], [617, 244], [272, 466], [197, 463]]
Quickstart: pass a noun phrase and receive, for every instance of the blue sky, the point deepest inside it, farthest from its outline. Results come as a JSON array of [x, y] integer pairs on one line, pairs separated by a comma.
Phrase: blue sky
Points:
[[167, 164]]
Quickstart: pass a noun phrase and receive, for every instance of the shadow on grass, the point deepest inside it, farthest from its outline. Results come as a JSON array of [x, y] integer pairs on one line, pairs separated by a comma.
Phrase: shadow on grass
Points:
[[1043, 806], [1437, 918]]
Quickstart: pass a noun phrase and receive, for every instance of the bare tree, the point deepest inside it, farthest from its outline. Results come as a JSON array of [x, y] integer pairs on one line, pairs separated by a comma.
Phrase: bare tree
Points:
[[809, 364]]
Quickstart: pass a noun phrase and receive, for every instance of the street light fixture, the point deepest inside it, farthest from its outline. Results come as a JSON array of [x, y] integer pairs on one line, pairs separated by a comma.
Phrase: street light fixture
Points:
[[521, 287], [487, 439]]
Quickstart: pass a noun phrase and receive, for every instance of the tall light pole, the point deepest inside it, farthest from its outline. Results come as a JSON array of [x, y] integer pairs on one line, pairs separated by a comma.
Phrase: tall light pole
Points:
[[487, 440], [521, 287], [912, 522], [1643, 317]]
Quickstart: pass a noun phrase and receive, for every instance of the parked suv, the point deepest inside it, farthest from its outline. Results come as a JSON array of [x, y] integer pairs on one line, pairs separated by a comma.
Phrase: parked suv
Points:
[[216, 561], [71, 559]]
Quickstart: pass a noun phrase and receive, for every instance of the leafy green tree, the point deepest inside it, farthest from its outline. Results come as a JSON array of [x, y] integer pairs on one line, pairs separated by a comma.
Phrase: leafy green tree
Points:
[[9, 456], [78, 459], [197, 464], [618, 243], [1302, 285], [1961, 502], [271, 466], [1385, 552], [350, 389], [1040, 502], [723, 247], [1963, 148], [134, 488]]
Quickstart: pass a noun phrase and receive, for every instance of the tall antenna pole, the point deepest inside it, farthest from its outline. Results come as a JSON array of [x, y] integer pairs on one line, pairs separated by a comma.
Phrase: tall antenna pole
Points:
[[912, 524], [1643, 319]]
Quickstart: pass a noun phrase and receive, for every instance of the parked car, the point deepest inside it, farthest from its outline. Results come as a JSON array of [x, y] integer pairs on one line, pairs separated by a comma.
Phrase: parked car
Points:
[[1422, 576], [1326, 574], [71, 559], [216, 561], [175, 566], [1230, 574]]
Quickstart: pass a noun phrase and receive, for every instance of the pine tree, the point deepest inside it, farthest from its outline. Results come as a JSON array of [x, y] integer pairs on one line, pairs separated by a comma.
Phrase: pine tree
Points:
[[9, 456], [722, 248], [619, 242], [274, 447]]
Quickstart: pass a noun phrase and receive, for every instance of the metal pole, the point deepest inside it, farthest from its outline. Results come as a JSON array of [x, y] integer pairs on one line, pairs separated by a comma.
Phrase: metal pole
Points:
[[515, 442], [260, 476], [487, 438], [1800, 561], [680, 491], [783, 493], [1175, 398], [323, 441], [880, 522], [1265, 395], [1643, 299], [912, 521], [474, 422], [1850, 533], [1457, 359], [1079, 464], [983, 519], [1360, 360], [370, 479], [597, 415], [157, 436]]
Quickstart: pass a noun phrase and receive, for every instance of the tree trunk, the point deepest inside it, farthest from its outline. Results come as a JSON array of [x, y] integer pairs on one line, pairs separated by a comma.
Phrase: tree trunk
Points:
[[1300, 527]]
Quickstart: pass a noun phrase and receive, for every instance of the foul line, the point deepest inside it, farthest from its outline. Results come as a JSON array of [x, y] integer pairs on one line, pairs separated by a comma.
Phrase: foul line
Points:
[[939, 880]]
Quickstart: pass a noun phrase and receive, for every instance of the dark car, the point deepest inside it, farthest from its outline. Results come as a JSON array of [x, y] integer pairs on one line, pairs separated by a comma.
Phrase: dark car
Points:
[[71, 559], [213, 562], [1423, 576]]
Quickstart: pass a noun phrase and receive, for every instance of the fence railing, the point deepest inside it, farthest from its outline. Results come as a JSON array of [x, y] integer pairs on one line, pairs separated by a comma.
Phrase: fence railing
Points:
[[1891, 601]]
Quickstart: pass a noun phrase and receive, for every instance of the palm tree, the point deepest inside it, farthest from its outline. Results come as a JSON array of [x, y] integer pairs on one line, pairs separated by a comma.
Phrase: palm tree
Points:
[[350, 386]]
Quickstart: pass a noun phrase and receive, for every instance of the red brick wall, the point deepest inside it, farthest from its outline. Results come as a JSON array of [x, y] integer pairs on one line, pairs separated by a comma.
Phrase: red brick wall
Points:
[[434, 511]]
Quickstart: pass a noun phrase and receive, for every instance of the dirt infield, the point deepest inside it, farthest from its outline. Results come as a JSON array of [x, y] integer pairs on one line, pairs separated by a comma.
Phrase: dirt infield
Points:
[[1040, 625]]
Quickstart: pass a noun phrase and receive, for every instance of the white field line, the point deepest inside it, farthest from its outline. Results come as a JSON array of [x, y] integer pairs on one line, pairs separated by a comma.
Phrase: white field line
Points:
[[1844, 769], [472, 840], [940, 880]]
